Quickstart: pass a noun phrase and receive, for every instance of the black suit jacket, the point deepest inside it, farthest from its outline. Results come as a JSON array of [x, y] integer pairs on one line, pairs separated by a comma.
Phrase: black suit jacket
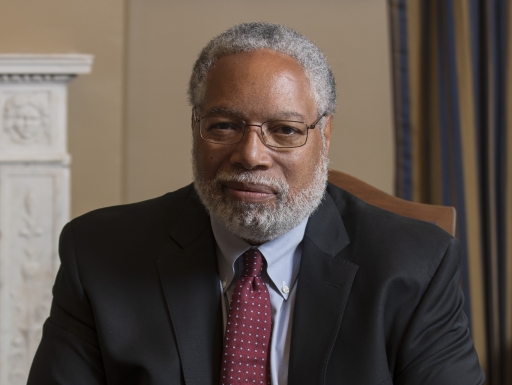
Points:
[[137, 300]]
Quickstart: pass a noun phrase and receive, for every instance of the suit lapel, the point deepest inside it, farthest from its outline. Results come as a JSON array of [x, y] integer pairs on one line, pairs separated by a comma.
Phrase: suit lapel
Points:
[[190, 283], [324, 284]]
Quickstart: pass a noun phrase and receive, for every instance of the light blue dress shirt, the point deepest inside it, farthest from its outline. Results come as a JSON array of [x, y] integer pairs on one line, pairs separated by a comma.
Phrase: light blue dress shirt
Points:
[[283, 256]]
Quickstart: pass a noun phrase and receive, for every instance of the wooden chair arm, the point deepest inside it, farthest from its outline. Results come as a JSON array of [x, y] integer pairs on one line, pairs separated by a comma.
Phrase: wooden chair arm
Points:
[[443, 216]]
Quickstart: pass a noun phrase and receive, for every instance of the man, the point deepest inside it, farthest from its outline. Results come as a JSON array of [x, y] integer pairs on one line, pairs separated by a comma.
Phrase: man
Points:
[[259, 272]]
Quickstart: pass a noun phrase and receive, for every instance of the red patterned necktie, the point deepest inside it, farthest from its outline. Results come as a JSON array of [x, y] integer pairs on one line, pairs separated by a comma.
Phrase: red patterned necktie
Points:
[[246, 355]]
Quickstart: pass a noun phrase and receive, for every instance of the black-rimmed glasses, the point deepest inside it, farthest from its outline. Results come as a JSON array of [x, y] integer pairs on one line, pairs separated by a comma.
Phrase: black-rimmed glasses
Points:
[[224, 129]]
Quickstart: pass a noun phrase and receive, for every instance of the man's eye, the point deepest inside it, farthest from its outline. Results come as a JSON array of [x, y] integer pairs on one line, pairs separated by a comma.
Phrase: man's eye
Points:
[[223, 126], [285, 130]]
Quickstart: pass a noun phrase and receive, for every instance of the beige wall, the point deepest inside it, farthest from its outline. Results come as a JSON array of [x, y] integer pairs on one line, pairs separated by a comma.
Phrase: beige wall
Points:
[[96, 100], [165, 38], [129, 121]]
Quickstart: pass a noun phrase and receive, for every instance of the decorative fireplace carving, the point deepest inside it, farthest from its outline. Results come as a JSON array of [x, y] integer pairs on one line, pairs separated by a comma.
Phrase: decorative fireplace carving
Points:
[[34, 197]]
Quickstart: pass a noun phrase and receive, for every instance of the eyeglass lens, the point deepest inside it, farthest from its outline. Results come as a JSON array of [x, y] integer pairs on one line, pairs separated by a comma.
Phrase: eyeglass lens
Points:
[[276, 133]]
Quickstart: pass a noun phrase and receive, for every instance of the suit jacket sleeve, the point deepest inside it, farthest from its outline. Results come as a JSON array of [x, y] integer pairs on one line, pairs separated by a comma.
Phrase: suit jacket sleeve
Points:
[[437, 347], [69, 351]]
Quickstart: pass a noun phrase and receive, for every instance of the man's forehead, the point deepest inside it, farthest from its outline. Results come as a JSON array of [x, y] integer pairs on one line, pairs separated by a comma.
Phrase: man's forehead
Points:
[[264, 58], [258, 85]]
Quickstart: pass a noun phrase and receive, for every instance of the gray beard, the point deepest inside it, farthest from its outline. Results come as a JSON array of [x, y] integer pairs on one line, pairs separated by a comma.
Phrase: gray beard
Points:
[[260, 222]]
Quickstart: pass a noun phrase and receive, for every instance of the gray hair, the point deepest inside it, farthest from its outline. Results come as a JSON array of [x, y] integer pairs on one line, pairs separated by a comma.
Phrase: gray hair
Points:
[[258, 35]]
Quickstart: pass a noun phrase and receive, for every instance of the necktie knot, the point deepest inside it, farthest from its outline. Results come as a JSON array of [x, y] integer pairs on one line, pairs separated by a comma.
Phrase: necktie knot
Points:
[[253, 263]]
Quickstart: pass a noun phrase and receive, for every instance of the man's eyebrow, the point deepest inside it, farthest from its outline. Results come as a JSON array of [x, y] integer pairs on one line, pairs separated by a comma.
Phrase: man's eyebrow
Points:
[[288, 115], [292, 115], [224, 111]]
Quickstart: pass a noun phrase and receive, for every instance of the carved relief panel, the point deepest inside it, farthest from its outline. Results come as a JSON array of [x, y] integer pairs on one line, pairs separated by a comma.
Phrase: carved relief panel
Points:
[[33, 202], [27, 118], [31, 119]]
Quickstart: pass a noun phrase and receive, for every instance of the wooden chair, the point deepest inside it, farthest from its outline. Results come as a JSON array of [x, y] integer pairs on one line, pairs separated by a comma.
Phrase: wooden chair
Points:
[[443, 216]]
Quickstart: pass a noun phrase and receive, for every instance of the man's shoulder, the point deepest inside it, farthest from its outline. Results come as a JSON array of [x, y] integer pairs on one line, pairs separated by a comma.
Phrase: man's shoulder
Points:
[[150, 211], [355, 211], [374, 231]]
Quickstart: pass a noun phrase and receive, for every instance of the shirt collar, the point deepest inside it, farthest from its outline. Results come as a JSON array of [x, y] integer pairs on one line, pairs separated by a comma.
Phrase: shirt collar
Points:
[[282, 255]]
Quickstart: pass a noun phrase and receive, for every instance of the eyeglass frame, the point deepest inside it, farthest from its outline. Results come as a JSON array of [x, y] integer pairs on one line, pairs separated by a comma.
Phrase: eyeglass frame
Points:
[[308, 127]]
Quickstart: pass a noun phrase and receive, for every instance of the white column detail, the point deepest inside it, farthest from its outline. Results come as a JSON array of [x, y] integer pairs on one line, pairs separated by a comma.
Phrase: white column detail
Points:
[[34, 197]]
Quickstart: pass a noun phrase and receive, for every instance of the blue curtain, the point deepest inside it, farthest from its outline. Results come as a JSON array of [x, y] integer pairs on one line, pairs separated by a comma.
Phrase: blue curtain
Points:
[[452, 73]]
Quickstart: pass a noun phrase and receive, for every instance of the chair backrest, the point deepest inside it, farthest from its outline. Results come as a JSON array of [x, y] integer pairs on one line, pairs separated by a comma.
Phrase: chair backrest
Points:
[[443, 216]]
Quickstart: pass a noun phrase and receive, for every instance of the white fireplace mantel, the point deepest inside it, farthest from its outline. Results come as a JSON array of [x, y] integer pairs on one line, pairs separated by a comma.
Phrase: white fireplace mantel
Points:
[[34, 196], [52, 64]]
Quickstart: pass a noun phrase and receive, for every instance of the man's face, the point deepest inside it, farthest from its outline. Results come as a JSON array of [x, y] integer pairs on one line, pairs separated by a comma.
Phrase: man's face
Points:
[[260, 192]]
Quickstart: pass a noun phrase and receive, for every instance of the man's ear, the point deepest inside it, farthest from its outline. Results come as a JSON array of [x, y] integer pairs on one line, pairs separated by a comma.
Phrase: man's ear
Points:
[[327, 133]]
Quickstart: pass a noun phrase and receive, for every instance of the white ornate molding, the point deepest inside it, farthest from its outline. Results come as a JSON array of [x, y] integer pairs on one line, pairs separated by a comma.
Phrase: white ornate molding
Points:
[[33, 100], [34, 197], [35, 78], [51, 65]]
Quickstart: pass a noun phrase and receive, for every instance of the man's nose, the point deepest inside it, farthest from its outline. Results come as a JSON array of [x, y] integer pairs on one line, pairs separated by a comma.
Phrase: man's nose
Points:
[[251, 152]]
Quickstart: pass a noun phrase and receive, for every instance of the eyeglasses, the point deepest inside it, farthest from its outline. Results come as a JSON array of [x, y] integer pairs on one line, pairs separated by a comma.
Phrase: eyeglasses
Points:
[[222, 129]]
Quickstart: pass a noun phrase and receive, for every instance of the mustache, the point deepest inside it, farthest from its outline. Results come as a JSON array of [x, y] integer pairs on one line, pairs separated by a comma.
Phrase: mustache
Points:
[[279, 185]]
